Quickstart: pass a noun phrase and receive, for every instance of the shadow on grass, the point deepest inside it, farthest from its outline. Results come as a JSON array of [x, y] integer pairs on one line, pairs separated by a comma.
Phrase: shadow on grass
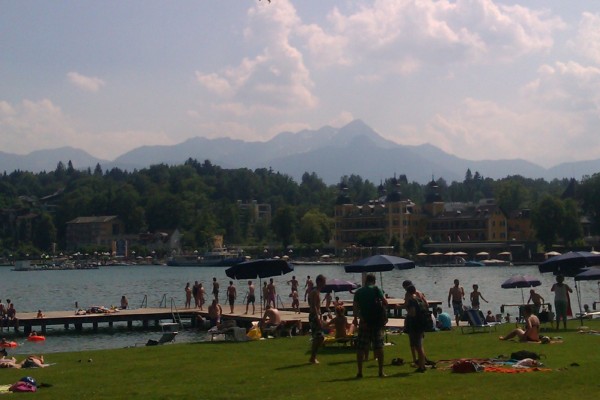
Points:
[[371, 377]]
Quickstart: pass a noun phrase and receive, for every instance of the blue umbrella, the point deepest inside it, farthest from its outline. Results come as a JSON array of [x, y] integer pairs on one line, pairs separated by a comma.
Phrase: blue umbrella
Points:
[[379, 263], [571, 263], [338, 285], [521, 281], [590, 274], [263, 268]]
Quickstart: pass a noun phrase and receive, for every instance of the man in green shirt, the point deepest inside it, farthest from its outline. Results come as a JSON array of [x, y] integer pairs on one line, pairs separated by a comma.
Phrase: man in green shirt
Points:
[[370, 331]]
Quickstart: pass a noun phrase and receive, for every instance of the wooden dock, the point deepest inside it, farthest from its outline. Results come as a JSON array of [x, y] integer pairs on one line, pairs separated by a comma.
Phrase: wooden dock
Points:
[[189, 316]]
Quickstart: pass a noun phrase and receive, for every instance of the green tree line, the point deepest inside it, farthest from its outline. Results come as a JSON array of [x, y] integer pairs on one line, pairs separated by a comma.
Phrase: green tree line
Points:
[[200, 199]]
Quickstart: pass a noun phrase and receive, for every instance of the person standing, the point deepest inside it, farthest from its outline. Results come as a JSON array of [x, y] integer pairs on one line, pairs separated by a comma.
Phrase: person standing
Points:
[[188, 295], [251, 297], [561, 300], [308, 286], [370, 332], [456, 295], [294, 283], [415, 326], [265, 294], [475, 297], [201, 295], [271, 293], [195, 294], [314, 318], [231, 295], [215, 289]]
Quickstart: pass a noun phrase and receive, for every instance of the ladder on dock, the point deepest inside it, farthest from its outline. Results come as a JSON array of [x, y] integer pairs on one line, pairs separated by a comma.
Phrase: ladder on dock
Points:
[[175, 313]]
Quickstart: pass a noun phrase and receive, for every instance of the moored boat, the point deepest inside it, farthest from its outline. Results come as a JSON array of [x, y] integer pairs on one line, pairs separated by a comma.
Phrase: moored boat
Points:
[[218, 257]]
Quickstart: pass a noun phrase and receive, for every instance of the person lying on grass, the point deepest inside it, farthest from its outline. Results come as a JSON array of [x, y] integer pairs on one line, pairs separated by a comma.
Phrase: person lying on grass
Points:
[[532, 328]]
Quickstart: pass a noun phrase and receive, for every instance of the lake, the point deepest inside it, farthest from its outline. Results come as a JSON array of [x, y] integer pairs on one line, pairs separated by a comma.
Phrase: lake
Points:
[[60, 290]]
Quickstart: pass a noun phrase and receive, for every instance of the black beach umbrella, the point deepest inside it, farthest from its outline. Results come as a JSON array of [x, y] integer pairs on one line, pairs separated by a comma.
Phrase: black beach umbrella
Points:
[[571, 263], [379, 263], [338, 285], [258, 269], [590, 274], [521, 281]]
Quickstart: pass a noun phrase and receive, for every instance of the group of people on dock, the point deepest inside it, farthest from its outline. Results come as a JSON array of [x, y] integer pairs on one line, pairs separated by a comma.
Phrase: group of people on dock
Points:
[[8, 315]]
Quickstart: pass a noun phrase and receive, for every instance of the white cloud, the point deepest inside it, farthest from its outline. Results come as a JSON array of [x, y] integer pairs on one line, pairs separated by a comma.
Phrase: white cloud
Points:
[[87, 83], [558, 110], [392, 31], [343, 118], [38, 125], [274, 80], [587, 41]]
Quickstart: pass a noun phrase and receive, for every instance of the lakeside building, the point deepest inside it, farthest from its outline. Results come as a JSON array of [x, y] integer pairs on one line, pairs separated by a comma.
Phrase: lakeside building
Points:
[[94, 231], [445, 225]]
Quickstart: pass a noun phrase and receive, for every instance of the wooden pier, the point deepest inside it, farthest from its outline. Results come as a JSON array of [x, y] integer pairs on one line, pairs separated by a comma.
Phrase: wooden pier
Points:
[[188, 316]]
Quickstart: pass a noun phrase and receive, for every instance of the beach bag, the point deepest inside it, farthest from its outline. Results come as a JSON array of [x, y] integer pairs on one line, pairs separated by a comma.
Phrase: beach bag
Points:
[[523, 354], [466, 366], [380, 314], [22, 386]]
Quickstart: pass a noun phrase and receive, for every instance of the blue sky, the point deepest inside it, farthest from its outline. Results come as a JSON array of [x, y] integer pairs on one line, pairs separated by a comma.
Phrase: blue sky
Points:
[[481, 79]]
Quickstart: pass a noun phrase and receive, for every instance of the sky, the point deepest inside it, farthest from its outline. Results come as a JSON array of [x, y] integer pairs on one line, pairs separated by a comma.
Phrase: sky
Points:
[[480, 79]]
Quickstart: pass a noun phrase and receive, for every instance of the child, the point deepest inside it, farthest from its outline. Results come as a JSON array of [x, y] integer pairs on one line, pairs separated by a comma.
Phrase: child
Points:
[[475, 296], [295, 301]]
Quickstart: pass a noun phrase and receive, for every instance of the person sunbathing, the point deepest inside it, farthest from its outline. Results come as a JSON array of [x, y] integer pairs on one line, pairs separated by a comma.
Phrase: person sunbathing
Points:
[[532, 328]]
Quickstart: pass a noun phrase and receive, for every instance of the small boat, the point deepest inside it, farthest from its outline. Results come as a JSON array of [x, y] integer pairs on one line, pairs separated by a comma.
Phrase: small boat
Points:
[[474, 263], [36, 338], [8, 344], [218, 257]]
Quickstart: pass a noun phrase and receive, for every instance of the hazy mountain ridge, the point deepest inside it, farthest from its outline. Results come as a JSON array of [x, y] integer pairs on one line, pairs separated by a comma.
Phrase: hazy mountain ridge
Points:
[[329, 152]]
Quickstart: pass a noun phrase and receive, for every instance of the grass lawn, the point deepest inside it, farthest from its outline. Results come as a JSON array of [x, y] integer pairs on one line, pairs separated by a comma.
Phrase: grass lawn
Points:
[[278, 369]]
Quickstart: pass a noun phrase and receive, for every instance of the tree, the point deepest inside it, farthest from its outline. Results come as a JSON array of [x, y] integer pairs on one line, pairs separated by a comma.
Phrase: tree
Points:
[[44, 233], [283, 224], [547, 218], [315, 227]]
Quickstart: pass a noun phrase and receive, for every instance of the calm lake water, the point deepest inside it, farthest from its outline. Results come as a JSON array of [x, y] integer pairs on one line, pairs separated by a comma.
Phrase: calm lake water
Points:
[[59, 290]]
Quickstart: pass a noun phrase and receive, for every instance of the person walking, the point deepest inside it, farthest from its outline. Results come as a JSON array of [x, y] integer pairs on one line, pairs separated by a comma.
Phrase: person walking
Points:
[[456, 295], [475, 297]]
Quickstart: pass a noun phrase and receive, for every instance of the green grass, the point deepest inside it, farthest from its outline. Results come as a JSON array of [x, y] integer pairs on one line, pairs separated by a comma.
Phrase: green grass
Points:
[[278, 369]]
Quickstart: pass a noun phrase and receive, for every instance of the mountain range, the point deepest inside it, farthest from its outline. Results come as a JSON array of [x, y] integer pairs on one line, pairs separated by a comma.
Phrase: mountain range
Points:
[[329, 152]]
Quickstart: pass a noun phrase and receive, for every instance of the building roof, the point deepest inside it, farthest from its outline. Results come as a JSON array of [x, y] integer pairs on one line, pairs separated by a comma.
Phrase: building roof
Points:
[[91, 220]]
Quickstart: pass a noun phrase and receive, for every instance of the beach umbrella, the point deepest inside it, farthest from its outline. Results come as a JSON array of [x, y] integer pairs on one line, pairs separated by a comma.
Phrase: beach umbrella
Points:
[[521, 281], [379, 263], [338, 285], [258, 269], [590, 274], [570, 264]]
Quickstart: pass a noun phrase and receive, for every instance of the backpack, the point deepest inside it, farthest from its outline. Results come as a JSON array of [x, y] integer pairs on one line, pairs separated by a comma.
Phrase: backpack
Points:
[[380, 314], [423, 318]]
